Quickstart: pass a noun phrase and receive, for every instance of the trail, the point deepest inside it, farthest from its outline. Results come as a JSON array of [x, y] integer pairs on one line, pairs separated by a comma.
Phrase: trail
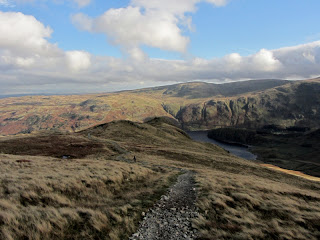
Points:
[[171, 217], [292, 172]]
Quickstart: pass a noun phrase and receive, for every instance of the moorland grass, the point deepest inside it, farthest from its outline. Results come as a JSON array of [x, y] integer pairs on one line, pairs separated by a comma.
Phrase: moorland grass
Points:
[[49, 198], [96, 197]]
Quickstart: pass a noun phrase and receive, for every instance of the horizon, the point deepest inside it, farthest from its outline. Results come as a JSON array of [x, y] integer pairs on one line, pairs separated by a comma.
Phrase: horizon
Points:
[[128, 90], [89, 46], [159, 119]]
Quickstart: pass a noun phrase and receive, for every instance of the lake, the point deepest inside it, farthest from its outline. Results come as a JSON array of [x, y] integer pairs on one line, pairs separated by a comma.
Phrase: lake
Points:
[[201, 136]]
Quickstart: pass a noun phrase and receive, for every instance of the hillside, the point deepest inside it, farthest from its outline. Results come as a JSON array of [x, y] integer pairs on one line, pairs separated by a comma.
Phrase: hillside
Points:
[[195, 105], [298, 151], [208, 90], [293, 104], [86, 185]]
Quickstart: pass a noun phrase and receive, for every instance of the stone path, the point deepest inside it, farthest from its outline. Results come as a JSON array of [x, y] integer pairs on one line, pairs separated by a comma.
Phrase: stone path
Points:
[[171, 217]]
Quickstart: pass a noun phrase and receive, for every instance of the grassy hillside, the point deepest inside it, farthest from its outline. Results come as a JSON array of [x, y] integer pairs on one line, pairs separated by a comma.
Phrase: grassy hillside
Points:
[[195, 105], [284, 148], [85, 185]]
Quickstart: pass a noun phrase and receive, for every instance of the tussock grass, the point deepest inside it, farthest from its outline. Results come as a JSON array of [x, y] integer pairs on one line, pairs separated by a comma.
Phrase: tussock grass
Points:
[[54, 145], [247, 206], [96, 197], [49, 198]]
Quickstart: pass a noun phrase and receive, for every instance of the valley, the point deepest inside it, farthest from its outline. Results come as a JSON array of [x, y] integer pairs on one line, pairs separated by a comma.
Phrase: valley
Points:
[[196, 106], [291, 150], [159, 120], [235, 149], [95, 166]]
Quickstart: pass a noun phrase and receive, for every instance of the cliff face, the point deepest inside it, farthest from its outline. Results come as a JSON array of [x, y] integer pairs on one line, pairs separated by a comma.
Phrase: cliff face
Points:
[[295, 104]]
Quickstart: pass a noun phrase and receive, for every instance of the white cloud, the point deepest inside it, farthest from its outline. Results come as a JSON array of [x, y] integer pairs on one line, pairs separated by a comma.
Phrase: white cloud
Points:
[[300, 60], [30, 63], [218, 2], [24, 45], [78, 60], [17, 61], [23, 34], [233, 59], [137, 54], [265, 61], [145, 22], [177, 7], [130, 28], [6, 3], [83, 22], [82, 3]]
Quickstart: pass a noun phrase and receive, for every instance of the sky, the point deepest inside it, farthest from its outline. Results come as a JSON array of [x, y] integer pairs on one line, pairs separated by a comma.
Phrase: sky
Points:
[[87, 46]]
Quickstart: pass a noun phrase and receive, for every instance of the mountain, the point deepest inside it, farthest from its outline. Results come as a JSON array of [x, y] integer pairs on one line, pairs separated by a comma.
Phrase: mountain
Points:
[[194, 105], [292, 104], [194, 90]]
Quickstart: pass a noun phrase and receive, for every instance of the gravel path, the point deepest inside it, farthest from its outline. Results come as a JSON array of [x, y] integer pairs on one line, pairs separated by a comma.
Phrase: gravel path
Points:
[[171, 217]]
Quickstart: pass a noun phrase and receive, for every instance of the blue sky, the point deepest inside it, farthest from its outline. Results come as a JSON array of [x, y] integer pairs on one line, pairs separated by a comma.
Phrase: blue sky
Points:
[[107, 44], [246, 26], [243, 26]]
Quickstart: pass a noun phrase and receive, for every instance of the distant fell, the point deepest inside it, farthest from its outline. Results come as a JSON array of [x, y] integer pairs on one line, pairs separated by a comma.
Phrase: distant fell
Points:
[[193, 106], [193, 90]]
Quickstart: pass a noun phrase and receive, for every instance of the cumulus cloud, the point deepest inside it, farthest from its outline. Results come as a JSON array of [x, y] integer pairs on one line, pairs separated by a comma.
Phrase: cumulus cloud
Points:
[[24, 45], [30, 63], [145, 22], [21, 62], [300, 60], [23, 34], [130, 28], [265, 61], [78, 60]]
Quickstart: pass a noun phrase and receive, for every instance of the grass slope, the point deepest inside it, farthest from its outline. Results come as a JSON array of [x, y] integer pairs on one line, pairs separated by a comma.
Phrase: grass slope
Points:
[[295, 151], [101, 194]]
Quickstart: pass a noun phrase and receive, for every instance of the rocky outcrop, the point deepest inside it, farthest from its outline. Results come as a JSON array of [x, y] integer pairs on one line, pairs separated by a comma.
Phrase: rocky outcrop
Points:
[[292, 105]]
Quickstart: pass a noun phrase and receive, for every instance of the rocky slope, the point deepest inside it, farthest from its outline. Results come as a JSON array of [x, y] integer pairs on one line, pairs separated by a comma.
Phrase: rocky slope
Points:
[[293, 104], [195, 105]]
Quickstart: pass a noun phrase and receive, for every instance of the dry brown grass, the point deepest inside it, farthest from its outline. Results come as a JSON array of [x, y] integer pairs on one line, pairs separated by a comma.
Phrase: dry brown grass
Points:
[[291, 172], [54, 145], [249, 206], [98, 198], [49, 198]]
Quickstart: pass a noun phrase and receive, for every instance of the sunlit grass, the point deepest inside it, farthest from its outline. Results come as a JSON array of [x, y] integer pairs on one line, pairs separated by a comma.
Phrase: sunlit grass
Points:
[[102, 195]]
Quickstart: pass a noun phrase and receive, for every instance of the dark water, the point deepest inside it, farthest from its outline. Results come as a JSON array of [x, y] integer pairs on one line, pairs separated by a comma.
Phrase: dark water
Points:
[[201, 136]]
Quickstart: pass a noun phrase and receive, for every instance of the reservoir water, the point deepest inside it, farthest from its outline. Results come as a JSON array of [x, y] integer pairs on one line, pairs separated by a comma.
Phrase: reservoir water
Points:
[[201, 136]]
